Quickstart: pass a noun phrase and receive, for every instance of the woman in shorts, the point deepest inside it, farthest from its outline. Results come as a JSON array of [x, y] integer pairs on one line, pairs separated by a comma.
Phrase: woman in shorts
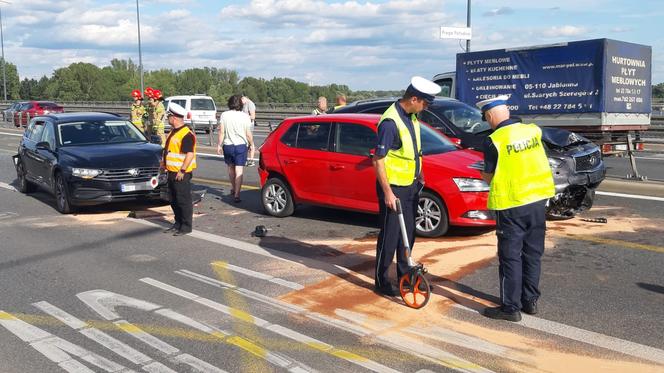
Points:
[[235, 140]]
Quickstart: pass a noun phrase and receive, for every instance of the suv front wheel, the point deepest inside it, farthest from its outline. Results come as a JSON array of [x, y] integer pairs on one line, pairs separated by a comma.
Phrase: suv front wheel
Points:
[[431, 218], [277, 198]]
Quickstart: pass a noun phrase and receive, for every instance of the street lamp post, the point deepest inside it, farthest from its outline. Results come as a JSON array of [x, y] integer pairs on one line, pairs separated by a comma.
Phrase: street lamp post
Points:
[[2, 45], [468, 25], [140, 55]]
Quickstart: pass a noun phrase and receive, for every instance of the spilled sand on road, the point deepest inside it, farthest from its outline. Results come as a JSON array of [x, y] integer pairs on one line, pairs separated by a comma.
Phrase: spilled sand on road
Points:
[[448, 260]]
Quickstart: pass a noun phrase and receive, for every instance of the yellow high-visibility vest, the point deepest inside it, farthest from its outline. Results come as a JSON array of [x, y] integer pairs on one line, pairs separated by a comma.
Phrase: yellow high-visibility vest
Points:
[[523, 174], [400, 163], [174, 156]]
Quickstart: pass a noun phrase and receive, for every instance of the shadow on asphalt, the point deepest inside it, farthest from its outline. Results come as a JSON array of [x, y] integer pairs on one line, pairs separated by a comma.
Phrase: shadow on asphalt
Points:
[[651, 287]]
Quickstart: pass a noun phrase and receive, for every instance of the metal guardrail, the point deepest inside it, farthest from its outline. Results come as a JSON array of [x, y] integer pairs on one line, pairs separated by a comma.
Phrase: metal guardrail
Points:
[[270, 114]]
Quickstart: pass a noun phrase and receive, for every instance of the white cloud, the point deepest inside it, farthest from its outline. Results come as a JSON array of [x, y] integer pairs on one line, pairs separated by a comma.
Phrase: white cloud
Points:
[[505, 10], [566, 31]]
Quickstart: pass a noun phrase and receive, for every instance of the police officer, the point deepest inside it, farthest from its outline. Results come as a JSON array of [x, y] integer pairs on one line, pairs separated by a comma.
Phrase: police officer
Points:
[[397, 161], [158, 114], [180, 161], [137, 110], [518, 171]]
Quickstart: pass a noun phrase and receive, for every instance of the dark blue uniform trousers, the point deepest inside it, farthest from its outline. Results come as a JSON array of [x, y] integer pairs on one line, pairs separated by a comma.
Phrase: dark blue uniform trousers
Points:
[[520, 232], [389, 238]]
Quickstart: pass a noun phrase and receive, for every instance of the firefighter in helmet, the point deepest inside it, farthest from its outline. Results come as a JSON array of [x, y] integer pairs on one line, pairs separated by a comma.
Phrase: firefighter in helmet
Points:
[[138, 110], [158, 115]]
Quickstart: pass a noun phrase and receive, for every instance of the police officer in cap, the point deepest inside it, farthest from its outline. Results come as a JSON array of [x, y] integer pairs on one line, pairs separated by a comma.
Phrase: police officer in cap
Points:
[[398, 164], [180, 162], [518, 172]]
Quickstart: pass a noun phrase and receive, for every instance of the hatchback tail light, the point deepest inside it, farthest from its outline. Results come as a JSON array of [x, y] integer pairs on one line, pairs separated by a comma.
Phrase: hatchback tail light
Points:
[[189, 115]]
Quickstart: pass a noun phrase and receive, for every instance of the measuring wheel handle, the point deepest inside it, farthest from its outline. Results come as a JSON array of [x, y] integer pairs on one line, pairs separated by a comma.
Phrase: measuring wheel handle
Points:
[[414, 288]]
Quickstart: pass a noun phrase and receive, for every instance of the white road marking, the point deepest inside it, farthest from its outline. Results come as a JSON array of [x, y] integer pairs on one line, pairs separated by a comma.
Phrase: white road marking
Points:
[[57, 349], [632, 196], [259, 275], [278, 329], [585, 336], [11, 134], [123, 350], [251, 248], [104, 302], [396, 342], [7, 186]]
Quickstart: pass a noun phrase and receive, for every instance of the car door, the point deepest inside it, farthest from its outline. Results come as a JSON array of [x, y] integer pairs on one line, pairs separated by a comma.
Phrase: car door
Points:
[[353, 179], [305, 160], [46, 158], [29, 155]]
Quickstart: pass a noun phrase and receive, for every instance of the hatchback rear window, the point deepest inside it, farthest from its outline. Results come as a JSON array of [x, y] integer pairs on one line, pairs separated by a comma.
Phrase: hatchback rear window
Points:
[[48, 105], [202, 104]]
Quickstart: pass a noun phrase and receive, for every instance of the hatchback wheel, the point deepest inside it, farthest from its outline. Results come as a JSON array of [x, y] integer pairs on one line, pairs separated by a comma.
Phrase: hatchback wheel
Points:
[[277, 198], [62, 202], [431, 219], [24, 186]]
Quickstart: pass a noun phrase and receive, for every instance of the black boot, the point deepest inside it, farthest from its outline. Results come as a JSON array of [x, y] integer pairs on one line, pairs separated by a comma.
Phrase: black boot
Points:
[[529, 307], [498, 314]]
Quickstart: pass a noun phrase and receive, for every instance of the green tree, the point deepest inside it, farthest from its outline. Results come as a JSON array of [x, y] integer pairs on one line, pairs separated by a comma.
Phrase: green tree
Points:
[[658, 91], [12, 81]]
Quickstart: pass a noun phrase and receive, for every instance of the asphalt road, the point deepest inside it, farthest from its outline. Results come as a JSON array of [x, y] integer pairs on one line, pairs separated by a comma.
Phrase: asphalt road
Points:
[[229, 300]]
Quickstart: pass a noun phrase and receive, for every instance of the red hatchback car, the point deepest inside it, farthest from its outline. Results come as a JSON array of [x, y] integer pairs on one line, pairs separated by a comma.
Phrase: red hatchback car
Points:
[[326, 160], [30, 109]]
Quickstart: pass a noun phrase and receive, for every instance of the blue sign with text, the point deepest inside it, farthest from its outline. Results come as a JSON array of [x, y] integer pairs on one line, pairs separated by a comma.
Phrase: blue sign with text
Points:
[[578, 77]]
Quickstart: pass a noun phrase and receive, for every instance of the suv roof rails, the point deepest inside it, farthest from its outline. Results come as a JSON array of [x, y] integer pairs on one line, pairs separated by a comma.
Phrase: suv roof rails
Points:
[[366, 100]]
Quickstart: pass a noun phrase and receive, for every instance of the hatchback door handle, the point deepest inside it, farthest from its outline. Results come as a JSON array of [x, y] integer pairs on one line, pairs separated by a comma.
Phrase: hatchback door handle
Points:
[[336, 167], [291, 161]]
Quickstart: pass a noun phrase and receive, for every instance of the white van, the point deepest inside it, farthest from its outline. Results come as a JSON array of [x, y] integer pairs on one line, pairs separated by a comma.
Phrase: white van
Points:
[[201, 110]]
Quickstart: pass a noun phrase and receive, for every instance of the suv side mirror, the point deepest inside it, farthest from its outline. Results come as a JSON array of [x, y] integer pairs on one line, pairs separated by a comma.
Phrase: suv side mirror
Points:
[[154, 139], [44, 145]]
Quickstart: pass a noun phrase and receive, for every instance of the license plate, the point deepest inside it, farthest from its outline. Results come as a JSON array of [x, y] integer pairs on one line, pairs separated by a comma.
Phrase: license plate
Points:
[[132, 187], [621, 147]]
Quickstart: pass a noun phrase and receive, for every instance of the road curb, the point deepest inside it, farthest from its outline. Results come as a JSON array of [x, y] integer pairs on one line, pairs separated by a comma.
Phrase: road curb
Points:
[[646, 188]]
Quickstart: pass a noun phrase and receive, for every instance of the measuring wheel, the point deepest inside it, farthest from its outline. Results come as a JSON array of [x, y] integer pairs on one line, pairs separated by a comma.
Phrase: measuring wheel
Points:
[[414, 287]]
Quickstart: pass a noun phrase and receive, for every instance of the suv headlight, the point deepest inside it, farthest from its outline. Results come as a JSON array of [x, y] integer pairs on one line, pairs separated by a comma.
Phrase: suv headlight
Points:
[[471, 185], [85, 173], [555, 162]]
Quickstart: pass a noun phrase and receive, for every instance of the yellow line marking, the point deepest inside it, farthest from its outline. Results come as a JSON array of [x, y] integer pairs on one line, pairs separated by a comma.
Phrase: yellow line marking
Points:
[[619, 243], [247, 328], [224, 183]]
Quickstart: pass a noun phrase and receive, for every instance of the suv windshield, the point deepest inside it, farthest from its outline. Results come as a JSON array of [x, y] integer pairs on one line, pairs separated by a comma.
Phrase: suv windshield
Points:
[[466, 117], [98, 132], [433, 142], [202, 104]]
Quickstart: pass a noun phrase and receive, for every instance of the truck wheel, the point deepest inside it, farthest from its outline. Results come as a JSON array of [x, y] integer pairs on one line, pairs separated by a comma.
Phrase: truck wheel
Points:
[[431, 217], [277, 198]]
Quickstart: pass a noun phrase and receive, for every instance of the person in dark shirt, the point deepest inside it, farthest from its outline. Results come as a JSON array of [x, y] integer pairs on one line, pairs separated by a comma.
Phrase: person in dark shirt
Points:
[[397, 160]]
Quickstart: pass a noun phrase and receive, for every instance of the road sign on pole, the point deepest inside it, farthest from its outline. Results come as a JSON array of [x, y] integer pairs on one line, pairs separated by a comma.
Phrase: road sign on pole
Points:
[[464, 33]]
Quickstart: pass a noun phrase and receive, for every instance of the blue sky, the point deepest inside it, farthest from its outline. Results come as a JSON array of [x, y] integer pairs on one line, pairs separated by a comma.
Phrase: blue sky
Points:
[[373, 45]]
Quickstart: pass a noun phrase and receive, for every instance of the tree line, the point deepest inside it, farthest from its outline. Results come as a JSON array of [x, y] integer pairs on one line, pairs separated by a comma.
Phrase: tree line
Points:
[[87, 82]]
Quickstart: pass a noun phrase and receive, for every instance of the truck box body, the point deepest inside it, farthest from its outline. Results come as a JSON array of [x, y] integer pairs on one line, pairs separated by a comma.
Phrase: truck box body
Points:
[[591, 85]]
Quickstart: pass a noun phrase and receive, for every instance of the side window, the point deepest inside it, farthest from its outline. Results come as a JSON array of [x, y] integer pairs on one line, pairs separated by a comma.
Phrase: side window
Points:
[[431, 119], [313, 136], [37, 130], [355, 139], [290, 137], [446, 87], [48, 135], [182, 103]]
